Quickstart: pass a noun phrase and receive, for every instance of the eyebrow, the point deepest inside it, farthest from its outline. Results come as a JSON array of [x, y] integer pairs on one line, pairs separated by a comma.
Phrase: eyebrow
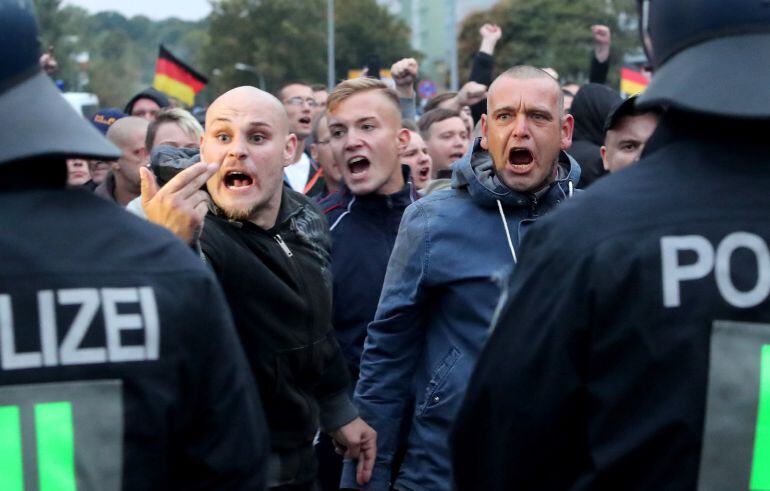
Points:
[[258, 123], [541, 109]]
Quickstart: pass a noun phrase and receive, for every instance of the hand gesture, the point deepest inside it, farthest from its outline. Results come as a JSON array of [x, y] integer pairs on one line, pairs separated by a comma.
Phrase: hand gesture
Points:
[[602, 41], [490, 35], [357, 440], [404, 73], [180, 205], [470, 94]]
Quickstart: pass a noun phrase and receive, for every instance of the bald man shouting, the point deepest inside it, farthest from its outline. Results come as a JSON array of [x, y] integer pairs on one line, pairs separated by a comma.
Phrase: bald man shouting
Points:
[[269, 247]]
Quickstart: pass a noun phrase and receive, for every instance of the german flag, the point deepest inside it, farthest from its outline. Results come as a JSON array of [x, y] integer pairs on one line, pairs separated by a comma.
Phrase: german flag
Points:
[[632, 82], [177, 79]]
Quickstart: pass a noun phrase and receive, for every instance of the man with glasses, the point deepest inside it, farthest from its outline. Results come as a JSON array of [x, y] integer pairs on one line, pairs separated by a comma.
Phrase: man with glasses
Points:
[[298, 100]]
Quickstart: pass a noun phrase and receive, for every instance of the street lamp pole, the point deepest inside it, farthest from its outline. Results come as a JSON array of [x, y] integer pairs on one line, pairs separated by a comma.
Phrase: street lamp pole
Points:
[[331, 69]]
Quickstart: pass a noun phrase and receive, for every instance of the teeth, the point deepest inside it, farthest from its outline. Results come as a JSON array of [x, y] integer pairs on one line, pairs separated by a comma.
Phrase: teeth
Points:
[[356, 160]]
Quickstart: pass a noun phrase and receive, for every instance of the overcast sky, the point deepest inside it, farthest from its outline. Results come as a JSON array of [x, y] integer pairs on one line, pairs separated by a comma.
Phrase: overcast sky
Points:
[[154, 9]]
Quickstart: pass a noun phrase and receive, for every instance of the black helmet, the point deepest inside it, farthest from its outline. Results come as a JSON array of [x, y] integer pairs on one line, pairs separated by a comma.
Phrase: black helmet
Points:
[[37, 120], [710, 56]]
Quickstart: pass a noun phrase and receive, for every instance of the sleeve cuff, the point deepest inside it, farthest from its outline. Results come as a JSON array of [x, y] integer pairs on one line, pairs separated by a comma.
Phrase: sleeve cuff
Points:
[[380, 477], [336, 411]]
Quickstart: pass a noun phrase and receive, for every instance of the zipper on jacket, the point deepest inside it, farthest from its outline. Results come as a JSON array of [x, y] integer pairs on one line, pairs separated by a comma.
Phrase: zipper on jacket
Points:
[[533, 206], [283, 245]]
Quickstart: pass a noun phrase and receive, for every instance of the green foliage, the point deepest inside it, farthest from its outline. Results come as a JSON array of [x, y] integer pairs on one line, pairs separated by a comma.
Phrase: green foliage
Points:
[[551, 33], [284, 40]]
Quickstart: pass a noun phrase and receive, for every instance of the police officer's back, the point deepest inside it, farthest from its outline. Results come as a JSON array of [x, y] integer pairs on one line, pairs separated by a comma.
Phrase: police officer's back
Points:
[[634, 350], [119, 364]]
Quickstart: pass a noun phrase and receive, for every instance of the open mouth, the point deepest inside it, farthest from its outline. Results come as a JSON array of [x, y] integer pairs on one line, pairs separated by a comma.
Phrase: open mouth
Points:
[[455, 156], [236, 180], [305, 120], [358, 165], [520, 157], [423, 173]]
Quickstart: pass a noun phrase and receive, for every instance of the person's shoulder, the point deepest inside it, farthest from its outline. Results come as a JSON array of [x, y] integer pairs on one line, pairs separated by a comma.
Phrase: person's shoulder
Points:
[[333, 205]]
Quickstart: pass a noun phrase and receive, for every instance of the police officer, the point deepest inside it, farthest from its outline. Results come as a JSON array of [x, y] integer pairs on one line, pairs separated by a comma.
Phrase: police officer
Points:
[[634, 349], [119, 363]]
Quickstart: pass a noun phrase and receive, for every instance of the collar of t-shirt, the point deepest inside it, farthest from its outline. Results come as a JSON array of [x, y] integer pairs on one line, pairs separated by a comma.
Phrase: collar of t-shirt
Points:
[[297, 173]]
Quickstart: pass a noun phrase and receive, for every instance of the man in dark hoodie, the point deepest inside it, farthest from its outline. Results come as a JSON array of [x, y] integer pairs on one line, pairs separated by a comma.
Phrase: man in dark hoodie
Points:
[[146, 104], [590, 109], [452, 252]]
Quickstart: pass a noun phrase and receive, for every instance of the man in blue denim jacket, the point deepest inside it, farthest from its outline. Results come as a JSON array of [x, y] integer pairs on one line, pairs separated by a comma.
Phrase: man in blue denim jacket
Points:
[[443, 280]]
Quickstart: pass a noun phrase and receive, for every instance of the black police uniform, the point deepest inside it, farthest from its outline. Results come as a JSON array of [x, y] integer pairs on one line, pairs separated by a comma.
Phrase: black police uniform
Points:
[[119, 324], [120, 367], [634, 348]]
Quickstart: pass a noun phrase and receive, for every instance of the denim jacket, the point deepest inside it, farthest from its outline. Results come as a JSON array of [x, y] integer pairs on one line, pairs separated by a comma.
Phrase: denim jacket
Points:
[[441, 289]]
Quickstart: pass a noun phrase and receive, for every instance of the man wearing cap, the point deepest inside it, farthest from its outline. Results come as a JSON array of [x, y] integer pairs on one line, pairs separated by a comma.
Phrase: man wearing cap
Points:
[[626, 132], [120, 367], [147, 104], [633, 352]]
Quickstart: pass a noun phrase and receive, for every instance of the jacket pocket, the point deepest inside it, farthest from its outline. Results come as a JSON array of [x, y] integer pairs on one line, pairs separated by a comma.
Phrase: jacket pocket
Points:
[[439, 378]]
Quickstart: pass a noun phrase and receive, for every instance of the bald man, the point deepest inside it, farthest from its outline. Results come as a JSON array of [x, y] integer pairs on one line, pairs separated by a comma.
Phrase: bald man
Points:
[[269, 247], [453, 250], [123, 184]]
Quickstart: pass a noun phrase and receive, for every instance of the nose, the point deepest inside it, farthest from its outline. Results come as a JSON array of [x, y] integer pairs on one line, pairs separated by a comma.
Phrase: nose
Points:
[[237, 147], [521, 127], [353, 140]]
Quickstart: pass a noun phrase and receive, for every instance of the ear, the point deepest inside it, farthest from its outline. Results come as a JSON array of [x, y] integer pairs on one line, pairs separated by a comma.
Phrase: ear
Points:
[[567, 126], [403, 137], [289, 149], [314, 151], [484, 132], [603, 152]]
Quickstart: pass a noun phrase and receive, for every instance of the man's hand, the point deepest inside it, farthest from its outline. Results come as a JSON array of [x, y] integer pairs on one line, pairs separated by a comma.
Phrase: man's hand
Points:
[[470, 94], [404, 73], [180, 205], [490, 35], [602, 42], [357, 440]]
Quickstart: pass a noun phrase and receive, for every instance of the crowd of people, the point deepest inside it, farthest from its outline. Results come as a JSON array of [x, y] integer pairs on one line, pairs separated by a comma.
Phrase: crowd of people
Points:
[[524, 284]]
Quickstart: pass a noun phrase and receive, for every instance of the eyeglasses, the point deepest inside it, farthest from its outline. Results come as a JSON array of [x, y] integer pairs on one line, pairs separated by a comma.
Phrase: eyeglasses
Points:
[[298, 101]]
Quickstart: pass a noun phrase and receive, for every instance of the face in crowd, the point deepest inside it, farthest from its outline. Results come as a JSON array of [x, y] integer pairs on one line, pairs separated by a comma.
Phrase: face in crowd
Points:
[[321, 151], [128, 134], [78, 172], [247, 133], [366, 134], [447, 141], [300, 105], [172, 134], [624, 143], [525, 129], [320, 97], [145, 108], [416, 156]]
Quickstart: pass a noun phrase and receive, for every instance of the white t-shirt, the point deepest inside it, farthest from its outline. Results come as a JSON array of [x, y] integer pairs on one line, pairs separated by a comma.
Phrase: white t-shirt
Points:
[[297, 173]]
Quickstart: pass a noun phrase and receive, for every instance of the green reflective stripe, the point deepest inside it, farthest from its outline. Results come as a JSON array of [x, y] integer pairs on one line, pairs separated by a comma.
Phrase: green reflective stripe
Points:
[[760, 466], [11, 464], [55, 446]]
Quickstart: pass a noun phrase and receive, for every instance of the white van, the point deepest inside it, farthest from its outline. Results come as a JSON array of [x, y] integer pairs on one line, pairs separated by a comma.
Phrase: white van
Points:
[[85, 103]]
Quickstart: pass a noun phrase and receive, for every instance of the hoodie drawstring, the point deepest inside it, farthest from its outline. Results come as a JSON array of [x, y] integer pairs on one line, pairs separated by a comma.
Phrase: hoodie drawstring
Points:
[[571, 190], [507, 232]]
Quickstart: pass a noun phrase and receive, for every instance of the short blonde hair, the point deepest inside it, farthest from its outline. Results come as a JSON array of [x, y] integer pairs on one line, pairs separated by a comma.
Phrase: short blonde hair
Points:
[[352, 86]]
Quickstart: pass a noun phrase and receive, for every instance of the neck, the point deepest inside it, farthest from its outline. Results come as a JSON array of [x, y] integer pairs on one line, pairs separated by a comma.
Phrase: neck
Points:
[[300, 150], [394, 184], [125, 191]]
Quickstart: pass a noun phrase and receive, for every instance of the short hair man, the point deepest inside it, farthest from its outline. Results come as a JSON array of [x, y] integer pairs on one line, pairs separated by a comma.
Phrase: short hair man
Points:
[[298, 100], [328, 178], [453, 249], [320, 94], [415, 154], [120, 367], [268, 246], [364, 122], [173, 127], [632, 352], [626, 133], [446, 136], [147, 104], [122, 184]]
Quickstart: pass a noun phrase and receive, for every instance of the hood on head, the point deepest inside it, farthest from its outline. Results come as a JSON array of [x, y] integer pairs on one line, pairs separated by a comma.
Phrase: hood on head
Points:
[[590, 108], [476, 172], [149, 93]]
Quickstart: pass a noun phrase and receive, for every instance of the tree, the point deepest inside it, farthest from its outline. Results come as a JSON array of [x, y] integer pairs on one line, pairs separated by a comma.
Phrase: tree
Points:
[[281, 40], [550, 33]]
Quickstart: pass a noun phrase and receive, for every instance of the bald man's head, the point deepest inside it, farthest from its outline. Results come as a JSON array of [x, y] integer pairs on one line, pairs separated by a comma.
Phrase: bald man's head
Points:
[[247, 134], [125, 133], [525, 72], [250, 99]]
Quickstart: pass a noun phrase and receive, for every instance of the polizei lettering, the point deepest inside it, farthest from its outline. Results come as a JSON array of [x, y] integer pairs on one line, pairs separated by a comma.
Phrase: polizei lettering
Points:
[[118, 310], [717, 260]]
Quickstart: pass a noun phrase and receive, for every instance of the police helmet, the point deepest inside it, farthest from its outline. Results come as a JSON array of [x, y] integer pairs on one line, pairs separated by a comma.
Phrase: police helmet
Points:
[[710, 56], [35, 119]]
